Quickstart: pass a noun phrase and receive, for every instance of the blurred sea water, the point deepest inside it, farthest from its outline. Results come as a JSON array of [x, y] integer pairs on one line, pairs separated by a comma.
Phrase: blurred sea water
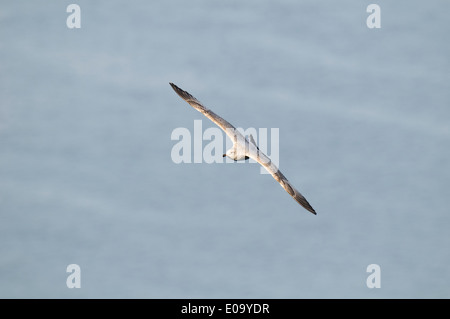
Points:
[[86, 175]]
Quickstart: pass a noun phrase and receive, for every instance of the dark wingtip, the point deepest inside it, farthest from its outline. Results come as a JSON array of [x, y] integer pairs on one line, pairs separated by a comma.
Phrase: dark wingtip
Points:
[[176, 88], [183, 94], [309, 208]]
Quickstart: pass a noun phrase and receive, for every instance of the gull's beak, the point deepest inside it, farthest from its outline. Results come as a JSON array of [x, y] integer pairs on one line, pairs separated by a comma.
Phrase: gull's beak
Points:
[[224, 155]]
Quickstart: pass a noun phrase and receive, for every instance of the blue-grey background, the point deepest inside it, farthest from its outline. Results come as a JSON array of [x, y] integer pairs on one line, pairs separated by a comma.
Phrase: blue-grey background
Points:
[[86, 175]]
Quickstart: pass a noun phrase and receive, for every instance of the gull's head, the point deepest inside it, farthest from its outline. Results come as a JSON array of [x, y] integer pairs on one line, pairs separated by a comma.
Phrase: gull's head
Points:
[[231, 153], [234, 154]]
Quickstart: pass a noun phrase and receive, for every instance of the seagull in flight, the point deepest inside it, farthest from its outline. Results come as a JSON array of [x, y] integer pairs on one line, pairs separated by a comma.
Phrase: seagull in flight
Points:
[[244, 148]]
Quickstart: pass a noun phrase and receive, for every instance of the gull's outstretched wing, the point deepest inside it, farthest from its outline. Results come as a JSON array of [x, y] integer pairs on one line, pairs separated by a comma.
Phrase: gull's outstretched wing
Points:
[[229, 129], [253, 141], [265, 161]]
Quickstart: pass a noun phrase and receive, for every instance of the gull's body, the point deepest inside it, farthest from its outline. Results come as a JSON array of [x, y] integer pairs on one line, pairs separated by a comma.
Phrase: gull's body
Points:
[[243, 148]]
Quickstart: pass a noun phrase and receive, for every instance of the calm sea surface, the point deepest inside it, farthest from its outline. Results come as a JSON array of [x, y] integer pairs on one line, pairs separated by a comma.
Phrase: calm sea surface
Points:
[[87, 178]]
